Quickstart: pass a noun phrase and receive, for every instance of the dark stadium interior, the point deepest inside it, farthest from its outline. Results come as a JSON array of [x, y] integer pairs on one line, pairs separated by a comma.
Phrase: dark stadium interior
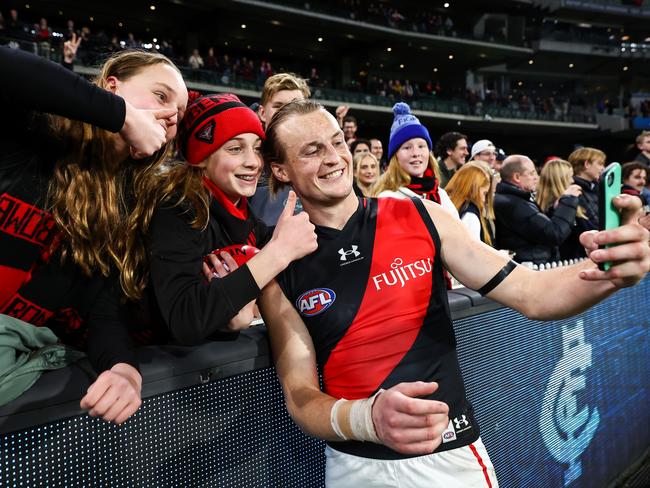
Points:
[[536, 77], [586, 61]]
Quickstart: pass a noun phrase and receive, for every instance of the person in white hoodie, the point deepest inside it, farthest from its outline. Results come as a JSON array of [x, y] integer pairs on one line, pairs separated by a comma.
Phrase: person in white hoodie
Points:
[[412, 168]]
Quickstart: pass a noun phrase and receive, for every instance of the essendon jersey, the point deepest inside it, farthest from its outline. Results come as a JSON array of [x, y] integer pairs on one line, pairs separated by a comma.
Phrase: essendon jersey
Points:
[[374, 300]]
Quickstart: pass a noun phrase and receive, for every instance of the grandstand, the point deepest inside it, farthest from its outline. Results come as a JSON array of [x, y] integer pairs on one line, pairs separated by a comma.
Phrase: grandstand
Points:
[[525, 67]]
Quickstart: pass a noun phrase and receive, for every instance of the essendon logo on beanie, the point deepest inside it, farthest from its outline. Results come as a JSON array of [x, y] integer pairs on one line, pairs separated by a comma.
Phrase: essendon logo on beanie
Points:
[[212, 120], [206, 133]]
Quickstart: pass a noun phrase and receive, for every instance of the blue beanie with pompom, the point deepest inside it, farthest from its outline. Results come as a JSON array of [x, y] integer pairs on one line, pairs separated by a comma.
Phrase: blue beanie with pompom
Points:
[[405, 126]]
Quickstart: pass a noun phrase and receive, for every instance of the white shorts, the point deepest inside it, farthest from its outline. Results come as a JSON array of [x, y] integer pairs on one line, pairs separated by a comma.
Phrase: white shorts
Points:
[[464, 467]]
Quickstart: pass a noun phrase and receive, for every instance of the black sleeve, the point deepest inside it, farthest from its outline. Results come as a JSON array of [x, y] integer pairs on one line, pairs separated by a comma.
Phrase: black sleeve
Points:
[[551, 231], [109, 342], [30, 82], [263, 233], [191, 308]]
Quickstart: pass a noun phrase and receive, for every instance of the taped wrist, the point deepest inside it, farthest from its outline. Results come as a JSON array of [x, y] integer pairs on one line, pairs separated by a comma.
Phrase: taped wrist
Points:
[[359, 418]]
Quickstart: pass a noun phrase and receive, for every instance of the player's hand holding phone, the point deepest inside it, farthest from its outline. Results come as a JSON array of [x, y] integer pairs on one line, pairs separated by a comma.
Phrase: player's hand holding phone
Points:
[[621, 251]]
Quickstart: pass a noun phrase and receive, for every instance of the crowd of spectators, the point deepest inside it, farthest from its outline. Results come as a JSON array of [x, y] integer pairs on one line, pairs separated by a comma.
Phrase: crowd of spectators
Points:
[[219, 65], [537, 220], [424, 19]]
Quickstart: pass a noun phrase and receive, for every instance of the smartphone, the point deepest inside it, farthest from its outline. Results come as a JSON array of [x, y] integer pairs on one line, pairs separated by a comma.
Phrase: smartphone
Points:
[[609, 186]]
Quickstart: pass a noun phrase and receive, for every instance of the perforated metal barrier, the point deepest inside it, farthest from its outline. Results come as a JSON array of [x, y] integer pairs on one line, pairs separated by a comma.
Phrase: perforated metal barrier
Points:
[[233, 432], [561, 403]]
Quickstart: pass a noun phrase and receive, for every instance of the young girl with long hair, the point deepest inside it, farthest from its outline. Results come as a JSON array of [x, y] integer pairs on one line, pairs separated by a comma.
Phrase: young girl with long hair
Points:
[[68, 185], [204, 208], [412, 168], [556, 182], [468, 189]]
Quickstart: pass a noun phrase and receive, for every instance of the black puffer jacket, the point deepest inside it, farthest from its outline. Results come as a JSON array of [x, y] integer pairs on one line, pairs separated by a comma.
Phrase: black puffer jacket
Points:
[[588, 201], [523, 228]]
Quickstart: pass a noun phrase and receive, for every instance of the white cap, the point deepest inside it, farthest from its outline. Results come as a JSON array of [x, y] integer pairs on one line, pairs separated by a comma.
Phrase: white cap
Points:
[[480, 146]]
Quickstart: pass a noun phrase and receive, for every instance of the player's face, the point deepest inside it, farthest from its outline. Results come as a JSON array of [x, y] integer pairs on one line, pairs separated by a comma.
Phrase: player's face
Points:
[[236, 166], [318, 162], [154, 87], [413, 156]]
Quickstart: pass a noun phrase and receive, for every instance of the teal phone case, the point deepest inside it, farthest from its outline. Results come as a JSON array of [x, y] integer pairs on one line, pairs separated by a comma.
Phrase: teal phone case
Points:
[[609, 186]]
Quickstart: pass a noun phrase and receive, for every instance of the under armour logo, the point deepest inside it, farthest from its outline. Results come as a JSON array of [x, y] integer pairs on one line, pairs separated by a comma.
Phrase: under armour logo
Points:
[[461, 422], [206, 134], [344, 254]]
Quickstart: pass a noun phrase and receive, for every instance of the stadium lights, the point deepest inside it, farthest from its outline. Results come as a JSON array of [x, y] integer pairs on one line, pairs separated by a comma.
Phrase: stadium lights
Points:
[[446, 5], [152, 7], [92, 19], [155, 39], [625, 68], [320, 39], [401, 66], [570, 65], [451, 56], [435, 70], [389, 49], [243, 26], [530, 61]]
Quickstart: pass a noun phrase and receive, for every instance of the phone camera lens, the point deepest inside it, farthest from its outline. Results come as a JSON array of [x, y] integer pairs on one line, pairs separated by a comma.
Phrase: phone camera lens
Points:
[[610, 179]]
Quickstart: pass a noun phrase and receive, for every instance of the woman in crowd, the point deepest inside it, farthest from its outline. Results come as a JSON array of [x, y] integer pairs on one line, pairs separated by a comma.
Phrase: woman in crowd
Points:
[[201, 206], [366, 172], [469, 189], [412, 169], [67, 185], [556, 182]]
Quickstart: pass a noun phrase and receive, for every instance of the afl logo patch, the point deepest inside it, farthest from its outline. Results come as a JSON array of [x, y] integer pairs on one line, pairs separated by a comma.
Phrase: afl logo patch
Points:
[[315, 301]]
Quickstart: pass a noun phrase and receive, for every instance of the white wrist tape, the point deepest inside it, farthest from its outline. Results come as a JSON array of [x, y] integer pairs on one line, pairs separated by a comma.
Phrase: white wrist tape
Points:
[[334, 418], [360, 419]]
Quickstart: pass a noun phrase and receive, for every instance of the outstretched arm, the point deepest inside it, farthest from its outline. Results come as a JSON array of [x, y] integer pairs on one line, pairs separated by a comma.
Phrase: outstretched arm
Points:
[[402, 421], [59, 91], [554, 293]]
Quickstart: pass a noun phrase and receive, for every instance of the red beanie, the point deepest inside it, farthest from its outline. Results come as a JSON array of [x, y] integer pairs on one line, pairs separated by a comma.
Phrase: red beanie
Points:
[[211, 121]]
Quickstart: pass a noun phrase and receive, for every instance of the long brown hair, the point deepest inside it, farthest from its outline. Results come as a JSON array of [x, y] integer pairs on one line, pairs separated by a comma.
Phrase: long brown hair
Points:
[[464, 187], [102, 206], [395, 177]]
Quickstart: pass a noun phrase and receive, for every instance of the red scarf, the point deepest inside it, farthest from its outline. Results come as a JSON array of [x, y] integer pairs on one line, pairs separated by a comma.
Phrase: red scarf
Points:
[[427, 186], [240, 210]]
